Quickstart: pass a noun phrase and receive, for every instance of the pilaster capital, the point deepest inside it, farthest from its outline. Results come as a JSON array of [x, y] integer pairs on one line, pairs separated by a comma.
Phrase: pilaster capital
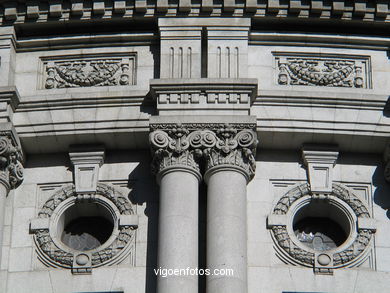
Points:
[[213, 144], [11, 157]]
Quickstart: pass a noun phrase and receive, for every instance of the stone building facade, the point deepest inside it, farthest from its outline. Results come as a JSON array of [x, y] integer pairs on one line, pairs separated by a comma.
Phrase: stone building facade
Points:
[[142, 137]]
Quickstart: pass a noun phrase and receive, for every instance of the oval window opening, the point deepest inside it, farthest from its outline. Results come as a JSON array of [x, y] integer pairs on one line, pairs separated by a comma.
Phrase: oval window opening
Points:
[[86, 226], [321, 226]]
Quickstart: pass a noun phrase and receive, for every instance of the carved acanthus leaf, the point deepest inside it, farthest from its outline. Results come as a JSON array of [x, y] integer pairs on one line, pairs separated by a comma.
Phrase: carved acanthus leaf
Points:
[[226, 144], [10, 162]]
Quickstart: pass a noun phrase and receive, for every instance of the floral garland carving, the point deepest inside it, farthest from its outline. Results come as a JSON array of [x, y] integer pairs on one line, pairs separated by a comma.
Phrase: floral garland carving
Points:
[[330, 72], [99, 257], [285, 242], [88, 72], [342, 258]]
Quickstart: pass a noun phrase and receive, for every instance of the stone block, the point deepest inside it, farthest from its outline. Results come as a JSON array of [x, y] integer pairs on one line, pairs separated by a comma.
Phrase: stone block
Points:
[[20, 259], [20, 227]]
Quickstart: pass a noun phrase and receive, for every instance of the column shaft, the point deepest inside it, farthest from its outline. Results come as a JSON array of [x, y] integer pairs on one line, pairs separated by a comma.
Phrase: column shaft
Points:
[[178, 230], [226, 231]]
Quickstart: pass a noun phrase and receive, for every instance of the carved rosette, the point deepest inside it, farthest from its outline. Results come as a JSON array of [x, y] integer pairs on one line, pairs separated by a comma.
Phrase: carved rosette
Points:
[[212, 145], [55, 255], [346, 256], [11, 167]]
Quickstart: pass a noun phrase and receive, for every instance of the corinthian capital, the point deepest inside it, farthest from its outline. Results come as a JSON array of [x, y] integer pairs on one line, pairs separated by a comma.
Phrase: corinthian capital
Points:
[[11, 168], [233, 148], [210, 144], [171, 147]]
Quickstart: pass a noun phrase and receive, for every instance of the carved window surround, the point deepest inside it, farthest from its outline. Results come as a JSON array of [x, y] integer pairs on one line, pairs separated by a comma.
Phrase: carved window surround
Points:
[[324, 70], [327, 200], [46, 229], [87, 197], [89, 70], [199, 96], [353, 252]]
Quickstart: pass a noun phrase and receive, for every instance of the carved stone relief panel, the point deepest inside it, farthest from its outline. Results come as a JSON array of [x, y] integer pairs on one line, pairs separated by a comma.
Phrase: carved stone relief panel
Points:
[[88, 70], [328, 70]]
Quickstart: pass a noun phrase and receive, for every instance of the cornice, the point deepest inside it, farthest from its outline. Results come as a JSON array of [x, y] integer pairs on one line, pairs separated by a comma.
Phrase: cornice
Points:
[[23, 11], [316, 40]]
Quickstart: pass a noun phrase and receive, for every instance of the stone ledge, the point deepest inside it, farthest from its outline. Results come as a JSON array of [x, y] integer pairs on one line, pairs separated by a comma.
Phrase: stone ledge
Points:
[[12, 11], [201, 95], [202, 119]]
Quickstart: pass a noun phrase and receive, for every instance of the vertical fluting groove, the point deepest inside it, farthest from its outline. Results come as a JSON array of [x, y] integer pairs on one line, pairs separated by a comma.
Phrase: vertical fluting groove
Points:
[[237, 61], [219, 62], [180, 63], [189, 62], [171, 61], [228, 65]]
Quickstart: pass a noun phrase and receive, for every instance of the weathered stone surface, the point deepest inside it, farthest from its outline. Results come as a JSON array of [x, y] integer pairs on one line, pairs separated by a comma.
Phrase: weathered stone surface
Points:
[[216, 98]]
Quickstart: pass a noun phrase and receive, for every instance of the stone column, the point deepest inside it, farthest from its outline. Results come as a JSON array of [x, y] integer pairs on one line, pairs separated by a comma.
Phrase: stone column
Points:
[[11, 169], [230, 165], [177, 170]]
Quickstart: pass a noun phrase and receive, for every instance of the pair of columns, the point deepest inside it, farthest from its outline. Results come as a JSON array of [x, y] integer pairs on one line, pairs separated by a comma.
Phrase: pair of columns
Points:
[[226, 154]]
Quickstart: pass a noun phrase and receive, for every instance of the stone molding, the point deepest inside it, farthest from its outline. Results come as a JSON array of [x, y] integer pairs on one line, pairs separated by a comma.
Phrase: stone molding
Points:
[[44, 10], [54, 254], [352, 253], [224, 95], [11, 157], [210, 144]]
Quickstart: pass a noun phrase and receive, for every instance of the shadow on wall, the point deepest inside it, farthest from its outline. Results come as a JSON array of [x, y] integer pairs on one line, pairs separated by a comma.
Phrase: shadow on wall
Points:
[[382, 189], [144, 191], [386, 109]]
